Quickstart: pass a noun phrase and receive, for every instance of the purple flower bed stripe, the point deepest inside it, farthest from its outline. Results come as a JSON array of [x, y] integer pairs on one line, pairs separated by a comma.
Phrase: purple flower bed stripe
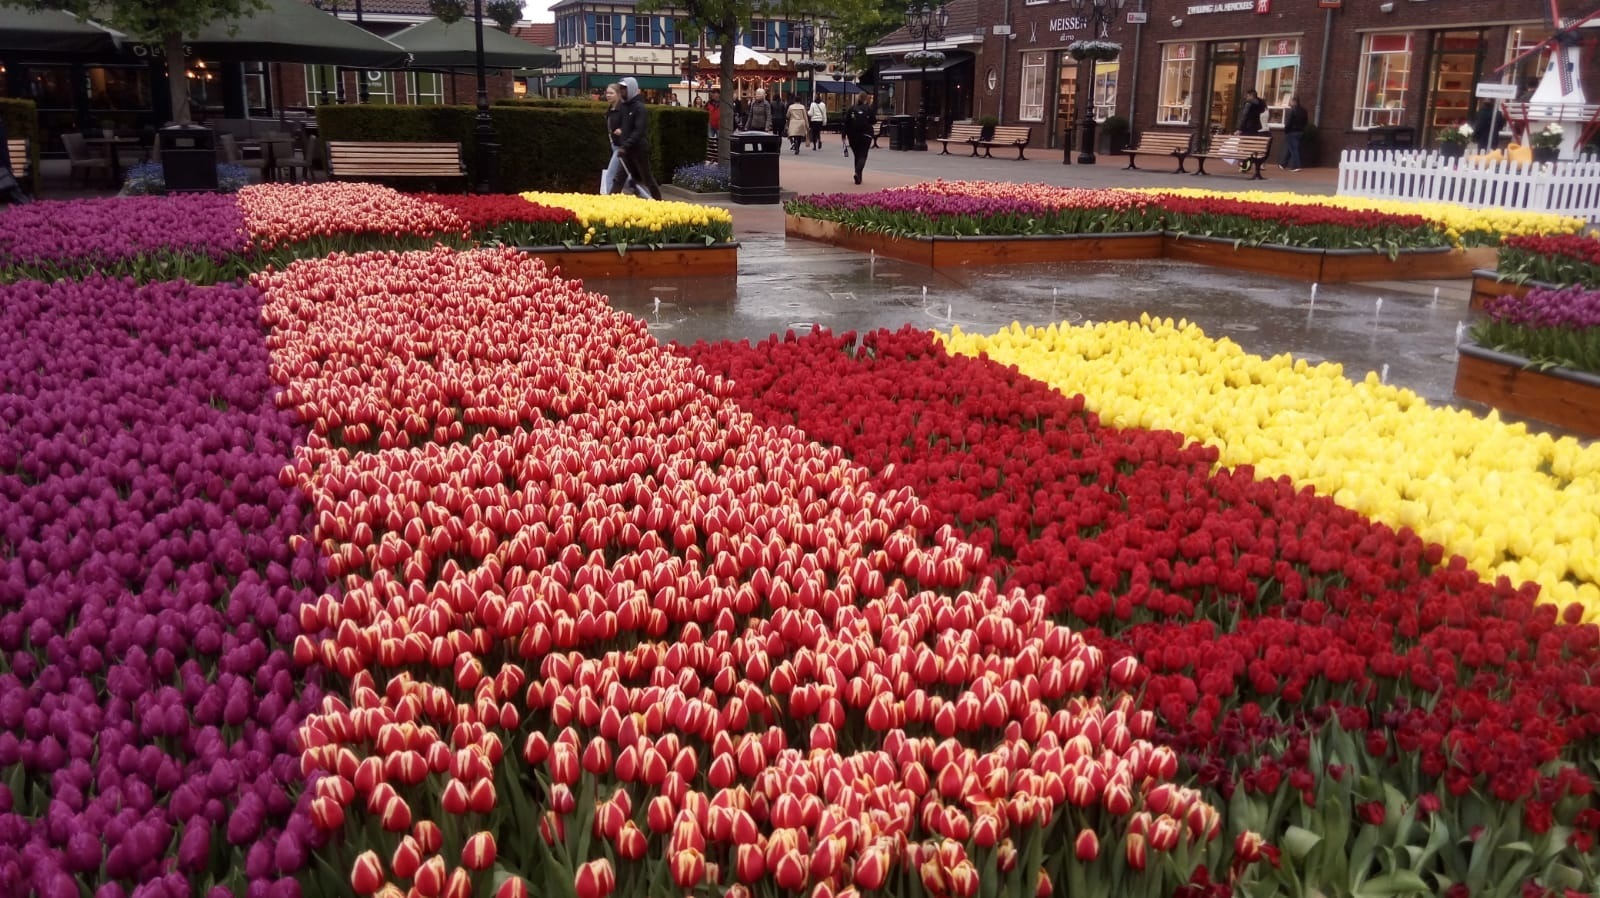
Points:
[[1572, 307], [115, 231], [933, 205], [148, 595]]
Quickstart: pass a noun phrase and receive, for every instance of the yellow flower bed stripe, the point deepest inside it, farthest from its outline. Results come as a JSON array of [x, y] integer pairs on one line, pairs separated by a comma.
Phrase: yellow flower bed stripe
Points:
[[1513, 503], [619, 211], [1457, 220]]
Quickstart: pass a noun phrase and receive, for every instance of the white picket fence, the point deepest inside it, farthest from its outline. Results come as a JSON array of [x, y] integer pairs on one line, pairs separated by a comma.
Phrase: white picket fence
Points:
[[1567, 188]]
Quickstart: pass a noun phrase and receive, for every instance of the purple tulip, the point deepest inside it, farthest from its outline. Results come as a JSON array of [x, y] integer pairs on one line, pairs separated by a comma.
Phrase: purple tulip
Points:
[[194, 849]]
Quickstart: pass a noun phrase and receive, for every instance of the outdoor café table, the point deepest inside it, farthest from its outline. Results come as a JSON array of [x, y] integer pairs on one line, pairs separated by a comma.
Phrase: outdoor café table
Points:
[[109, 146]]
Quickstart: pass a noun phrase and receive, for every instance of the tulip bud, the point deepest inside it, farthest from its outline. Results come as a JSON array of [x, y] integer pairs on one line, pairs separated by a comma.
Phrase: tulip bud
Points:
[[428, 835], [790, 871], [631, 841], [595, 879], [1045, 888], [749, 863], [326, 813], [1137, 852], [688, 868], [396, 816], [366, 875], [872, 868], [514, 887], [407, 858], [1087, 847], [659, 814], [480, 796], [478, 853], [459, 884]]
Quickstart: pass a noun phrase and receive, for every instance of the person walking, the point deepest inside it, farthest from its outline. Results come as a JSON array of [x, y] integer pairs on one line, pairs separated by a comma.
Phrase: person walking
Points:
[[615, 179], [1294, 130], [714, 114], [1250, 118], [819, 117], [635, 140], [798, 124], [759, 115], [858, 131]]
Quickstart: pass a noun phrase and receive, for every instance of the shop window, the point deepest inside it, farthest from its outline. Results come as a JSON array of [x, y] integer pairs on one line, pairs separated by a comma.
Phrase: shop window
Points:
[[1278, 76], [205, 89], [1456, 61], [1030, 105], [425, 88], [1105, 90], [380, 86], [1525, 71], [1385, 72], [1177, 84], [322, 85], [257, 90]]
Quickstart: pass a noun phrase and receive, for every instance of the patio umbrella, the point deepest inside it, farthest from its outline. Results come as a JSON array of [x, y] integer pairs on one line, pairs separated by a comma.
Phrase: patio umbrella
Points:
[[293, 31], [436, 45], [51, 31]]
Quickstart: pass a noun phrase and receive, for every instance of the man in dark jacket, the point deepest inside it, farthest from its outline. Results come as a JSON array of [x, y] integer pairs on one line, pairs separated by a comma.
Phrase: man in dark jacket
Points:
[[858, 131], [1250, 118], [1294, 130], [636, 139]]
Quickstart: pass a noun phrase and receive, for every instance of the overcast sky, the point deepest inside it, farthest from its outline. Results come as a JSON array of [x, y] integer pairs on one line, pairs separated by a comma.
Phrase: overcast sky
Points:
[[538, 10]]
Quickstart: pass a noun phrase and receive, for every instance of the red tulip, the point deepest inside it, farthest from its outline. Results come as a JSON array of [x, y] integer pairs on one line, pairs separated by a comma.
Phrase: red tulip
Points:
[[480, 796], [1136, 851], [749, 863], [595, 879], [688, 868], [790, 871], [478, 853], [428, 835], [326, 813], [872, 868], [366, 875], [1087, 846], [659, 814], [1045, 889], [396, 817], [459, 884], [454, 797], [407, 858], [631, 841], [513, 887]]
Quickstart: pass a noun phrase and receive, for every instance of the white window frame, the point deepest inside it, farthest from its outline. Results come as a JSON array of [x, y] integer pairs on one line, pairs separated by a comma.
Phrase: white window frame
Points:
[[602, 28], [642, 38], [1270, 79], [1176, 91], [758, 35], [1031, 88], [417, 96], [380, 90], [1385, 110], [1104, 92], [314, 85]]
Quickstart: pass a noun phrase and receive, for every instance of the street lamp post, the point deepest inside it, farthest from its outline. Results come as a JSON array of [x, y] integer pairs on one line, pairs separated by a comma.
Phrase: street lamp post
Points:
[[812, 36], [488, 149], [362, 92], [1100, 15], [925, 24]]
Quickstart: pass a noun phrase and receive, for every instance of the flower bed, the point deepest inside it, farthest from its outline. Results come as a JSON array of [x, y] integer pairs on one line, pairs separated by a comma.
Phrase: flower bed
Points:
[[1555, 259], [148, 594], [587, 536], [195, 237], [1377, 449], [1337, 684], [625, 221]]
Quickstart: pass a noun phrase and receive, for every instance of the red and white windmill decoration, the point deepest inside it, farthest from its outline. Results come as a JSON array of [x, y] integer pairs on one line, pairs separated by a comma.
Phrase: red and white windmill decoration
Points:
[[1559, 97]]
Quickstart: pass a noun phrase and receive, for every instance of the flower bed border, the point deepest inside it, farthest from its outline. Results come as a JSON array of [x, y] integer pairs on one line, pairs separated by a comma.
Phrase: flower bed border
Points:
[[1566, 398], [1487, 285], [665, 260], [1299, 263]]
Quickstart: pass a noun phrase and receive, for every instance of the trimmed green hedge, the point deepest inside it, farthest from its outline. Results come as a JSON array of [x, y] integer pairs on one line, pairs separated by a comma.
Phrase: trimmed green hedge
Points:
[[22, 120], [555, 145]]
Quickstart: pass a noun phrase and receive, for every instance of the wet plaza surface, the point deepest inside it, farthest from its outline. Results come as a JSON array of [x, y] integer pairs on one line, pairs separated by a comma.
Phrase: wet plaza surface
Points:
[[1404, 331]]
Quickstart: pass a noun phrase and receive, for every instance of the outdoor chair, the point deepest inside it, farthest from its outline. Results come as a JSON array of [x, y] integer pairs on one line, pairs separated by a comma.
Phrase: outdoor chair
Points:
[[82, 160]]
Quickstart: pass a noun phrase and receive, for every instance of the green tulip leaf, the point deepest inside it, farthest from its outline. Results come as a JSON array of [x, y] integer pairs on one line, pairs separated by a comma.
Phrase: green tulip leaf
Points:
[[1299, 841]]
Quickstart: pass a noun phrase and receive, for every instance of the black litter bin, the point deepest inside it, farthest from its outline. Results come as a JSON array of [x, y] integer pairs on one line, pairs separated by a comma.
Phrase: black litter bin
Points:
[[902, 132], [188, 158], [753, 167]]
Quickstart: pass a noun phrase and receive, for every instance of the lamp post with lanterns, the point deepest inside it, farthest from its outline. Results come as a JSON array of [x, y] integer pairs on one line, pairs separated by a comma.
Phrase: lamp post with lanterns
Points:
[[1101, 12], [483, 131], [925, 24], [812, 35]]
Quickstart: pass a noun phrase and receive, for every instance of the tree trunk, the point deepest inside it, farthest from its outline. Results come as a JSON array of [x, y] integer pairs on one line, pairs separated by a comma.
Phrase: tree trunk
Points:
[[725, 133], [177, 79]]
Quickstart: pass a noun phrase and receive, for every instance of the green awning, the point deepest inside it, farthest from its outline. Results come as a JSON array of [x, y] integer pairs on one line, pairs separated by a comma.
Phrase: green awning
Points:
[[52, 31], [294, 31], [597, 80], [435, 45]]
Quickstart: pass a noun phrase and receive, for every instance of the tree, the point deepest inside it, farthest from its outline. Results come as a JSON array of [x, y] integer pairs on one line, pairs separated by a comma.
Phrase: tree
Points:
[[163, 23]]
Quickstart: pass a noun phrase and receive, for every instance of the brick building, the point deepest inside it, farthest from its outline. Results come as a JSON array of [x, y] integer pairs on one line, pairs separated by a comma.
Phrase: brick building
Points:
[[1366, 70]]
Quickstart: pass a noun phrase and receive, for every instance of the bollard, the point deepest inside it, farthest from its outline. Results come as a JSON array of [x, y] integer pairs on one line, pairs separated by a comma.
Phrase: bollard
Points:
[[1066, 144]]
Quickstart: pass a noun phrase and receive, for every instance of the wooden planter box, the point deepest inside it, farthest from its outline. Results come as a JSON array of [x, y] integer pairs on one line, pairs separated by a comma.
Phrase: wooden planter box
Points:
[[669, 260], [1326, 266], [1568, 399], [1486, 285]]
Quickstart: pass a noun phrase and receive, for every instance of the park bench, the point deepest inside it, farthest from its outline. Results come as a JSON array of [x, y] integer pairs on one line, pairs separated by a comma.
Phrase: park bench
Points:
[[962, 132], [1172, 144], [1006, 136], [21, 165], [1253, 148], [373, 159]]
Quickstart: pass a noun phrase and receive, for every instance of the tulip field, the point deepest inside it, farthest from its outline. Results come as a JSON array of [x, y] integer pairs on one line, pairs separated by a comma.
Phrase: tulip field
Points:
[[388, 562]]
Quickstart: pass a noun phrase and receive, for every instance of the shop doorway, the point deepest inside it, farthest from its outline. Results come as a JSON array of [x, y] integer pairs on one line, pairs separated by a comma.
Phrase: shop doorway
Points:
[[1455, 65], [1067, 113], [1225, 62]]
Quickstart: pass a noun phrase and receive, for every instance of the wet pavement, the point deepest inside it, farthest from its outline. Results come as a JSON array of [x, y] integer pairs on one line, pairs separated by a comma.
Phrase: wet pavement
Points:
[[1405, 331]]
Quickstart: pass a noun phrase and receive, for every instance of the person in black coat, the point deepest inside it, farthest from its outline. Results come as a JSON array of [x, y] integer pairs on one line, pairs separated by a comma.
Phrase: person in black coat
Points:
[[1294, 131], [635, 140], [858, 131]]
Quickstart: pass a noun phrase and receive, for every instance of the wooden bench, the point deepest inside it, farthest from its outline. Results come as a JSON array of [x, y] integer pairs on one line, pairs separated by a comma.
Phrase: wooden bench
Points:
[[1252, 148], [962, 132], [373, 159], [1162, 143], [1006, 136], [21, 163]]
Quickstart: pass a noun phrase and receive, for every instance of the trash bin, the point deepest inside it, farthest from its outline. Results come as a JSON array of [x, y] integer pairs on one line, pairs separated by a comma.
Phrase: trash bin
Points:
[[902, 132], [188, 158], [753, 167]]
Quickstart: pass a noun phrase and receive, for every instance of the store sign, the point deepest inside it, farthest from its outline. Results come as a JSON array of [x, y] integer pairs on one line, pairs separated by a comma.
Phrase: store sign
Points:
[[1263, 7], [1201, 9], [1068, 23], [1138, 18], [1329, 4], [1491, 90]]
